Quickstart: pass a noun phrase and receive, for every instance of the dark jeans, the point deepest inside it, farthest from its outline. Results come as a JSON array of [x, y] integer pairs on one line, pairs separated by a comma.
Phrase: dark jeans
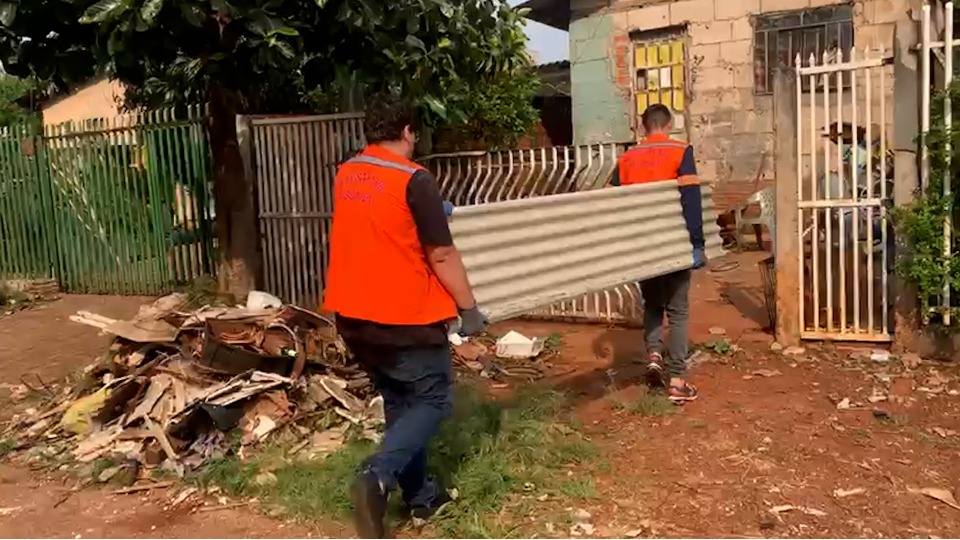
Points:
[[416, 384], [668, 295]]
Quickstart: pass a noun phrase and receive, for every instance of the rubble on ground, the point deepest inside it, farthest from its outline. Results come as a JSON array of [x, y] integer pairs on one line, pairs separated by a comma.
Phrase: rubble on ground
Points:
[[513, 356], [179, 387]]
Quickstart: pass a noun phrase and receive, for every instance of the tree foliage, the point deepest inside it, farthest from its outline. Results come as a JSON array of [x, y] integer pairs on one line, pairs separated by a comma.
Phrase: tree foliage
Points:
[[269, 56], [926, 263], [270, 53], [16, 100]]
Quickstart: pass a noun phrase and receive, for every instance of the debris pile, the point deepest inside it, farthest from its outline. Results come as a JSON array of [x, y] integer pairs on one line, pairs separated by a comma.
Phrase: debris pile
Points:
[[180, 387], [513, 356]]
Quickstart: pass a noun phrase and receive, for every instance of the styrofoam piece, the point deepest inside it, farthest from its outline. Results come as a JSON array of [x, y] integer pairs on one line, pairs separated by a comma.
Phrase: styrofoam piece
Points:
[[516, 345]]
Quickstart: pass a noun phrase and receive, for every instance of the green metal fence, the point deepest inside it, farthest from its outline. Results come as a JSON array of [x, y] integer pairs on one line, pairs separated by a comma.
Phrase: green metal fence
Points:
[[108, 206]]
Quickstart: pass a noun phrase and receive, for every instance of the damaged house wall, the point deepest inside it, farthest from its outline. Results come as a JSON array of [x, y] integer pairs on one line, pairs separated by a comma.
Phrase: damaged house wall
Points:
[[727, 118]]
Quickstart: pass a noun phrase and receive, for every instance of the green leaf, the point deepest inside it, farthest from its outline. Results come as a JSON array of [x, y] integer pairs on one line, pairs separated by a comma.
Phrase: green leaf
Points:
[[414, 41], [8, 12], [101, 11], [444, 43], [436, 106], [193, 15], [321, 3], [284, 31], [150, 10]]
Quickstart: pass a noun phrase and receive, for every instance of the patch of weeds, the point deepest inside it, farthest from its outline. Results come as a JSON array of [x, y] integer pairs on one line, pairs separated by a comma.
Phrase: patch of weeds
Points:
[[582, 488], [721, 347], [314, 489], [647, 404], [160, 473], [553, 342], [488, 450], [6, 447], [100, 465], [230, 474]]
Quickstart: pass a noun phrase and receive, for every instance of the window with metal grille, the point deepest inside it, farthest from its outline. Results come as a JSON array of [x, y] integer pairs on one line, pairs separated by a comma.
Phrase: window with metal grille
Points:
[[779, 37]]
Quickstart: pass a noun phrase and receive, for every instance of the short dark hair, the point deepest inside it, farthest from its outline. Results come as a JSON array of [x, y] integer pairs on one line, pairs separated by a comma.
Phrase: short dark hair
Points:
[[386, 116], [656, 117]]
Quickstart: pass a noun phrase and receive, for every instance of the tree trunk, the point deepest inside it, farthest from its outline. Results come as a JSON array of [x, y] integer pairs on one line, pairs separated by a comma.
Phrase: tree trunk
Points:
[[239, 266]]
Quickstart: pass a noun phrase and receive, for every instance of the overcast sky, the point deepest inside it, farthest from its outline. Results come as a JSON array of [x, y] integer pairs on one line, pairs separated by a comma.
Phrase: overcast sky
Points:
[[548, 44]]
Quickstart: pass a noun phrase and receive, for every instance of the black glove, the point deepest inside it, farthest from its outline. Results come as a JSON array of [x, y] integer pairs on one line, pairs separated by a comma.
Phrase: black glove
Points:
[[472, 322]]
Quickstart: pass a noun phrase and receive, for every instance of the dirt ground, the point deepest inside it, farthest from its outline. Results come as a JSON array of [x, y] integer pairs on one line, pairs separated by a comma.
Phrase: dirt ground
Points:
[[766, 434]]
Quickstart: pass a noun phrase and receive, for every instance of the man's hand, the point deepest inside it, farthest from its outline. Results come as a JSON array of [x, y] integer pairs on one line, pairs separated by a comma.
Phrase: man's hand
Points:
[[699, 258], [472, 321]]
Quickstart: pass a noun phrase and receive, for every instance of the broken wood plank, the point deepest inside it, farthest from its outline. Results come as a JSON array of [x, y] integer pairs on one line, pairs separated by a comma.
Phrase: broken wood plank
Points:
[[142, 487]]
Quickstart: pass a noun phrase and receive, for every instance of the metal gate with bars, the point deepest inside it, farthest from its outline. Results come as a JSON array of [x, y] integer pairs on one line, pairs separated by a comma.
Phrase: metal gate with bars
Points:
[[295, 161], [844, 189], [107, 206]]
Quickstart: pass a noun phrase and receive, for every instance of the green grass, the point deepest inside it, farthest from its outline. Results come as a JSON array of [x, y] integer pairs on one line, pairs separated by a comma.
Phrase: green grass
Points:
[[647, 404], [6, 446], [581, 488], [487, 450], [230, 474]]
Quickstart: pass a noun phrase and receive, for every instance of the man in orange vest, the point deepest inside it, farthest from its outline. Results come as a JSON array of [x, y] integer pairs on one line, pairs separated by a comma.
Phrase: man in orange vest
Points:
[[395, 282], [659, 158]]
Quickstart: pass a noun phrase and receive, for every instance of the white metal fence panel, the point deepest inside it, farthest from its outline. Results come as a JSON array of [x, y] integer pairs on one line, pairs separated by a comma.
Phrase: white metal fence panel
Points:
[[484, 177], [296, 159], [844, 187], [543, 250]]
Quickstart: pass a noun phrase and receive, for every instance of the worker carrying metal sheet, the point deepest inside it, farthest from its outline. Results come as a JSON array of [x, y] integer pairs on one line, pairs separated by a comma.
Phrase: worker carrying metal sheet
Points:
[[395, 282], [660, 158]]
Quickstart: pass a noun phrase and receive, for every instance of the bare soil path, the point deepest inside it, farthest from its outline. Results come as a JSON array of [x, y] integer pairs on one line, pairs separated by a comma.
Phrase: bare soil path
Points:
[[766, 434]]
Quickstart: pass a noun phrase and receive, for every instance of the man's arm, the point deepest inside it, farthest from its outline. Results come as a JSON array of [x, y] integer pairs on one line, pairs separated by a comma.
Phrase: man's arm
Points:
[[690, 198], [426, 205]]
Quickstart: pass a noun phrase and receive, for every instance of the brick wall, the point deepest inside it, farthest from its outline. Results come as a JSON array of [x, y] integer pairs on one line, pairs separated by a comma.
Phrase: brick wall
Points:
[[731, 128]]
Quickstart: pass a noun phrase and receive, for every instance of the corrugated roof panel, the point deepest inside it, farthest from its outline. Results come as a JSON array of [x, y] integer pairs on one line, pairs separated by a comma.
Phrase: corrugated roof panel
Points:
[[524, 254]]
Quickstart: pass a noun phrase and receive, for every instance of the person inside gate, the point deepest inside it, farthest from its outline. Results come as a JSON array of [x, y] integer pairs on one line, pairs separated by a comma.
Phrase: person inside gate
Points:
[[395, 281], [660, 158]]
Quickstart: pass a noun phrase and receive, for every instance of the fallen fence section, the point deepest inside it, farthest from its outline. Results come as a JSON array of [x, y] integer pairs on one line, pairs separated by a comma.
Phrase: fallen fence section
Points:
[[539, 251]]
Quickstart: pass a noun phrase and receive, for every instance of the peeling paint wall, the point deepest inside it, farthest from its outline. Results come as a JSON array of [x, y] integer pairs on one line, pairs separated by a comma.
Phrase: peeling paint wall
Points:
[[731, 127], [600, 79]]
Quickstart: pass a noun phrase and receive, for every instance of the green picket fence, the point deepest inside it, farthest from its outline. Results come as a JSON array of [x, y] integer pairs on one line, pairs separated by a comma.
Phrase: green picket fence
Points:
[[108, 206]]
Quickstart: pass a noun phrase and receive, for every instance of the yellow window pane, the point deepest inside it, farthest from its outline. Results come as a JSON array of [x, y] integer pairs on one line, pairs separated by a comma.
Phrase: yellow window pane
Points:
[[676, 56], [654, 98], [652, 56], [665, 98], [677, 76], [664, 53], [640, 57], [641, 102], [678, 101]]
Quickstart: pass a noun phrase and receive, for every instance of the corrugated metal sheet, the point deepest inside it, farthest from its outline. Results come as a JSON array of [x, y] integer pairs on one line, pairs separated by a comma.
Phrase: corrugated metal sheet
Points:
[[524, 254]]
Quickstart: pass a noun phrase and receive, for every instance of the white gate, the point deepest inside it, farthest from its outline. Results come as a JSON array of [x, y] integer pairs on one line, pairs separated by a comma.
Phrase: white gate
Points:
[[844, 187]]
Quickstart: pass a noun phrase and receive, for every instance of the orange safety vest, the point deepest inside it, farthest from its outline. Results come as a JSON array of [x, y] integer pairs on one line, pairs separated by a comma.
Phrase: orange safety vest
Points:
[[655, 159], [378, 270]]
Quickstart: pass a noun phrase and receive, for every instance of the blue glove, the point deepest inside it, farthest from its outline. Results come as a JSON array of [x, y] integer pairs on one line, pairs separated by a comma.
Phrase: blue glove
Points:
[[448, 208], [699, 258]]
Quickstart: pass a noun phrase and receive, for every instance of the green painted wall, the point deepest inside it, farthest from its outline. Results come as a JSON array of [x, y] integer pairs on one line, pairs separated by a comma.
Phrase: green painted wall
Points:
[[601, 109]]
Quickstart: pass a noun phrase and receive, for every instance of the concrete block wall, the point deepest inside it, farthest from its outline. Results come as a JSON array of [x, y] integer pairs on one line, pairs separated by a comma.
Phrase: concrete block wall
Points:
[[731, 128]]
